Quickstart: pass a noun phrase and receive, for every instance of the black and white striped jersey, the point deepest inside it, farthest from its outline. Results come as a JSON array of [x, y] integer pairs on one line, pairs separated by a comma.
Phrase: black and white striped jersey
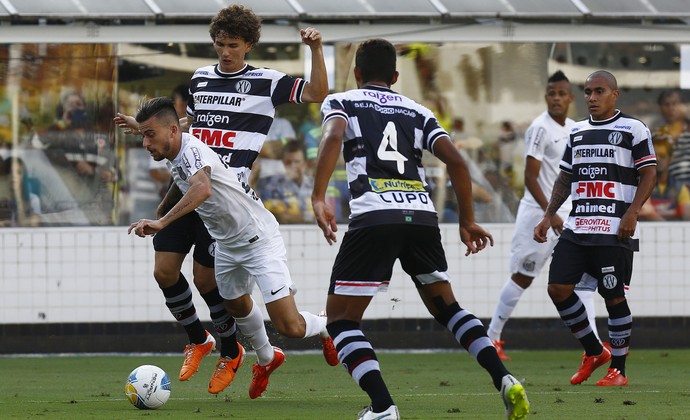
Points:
[[234, 111], [604, 158], [382, 147]]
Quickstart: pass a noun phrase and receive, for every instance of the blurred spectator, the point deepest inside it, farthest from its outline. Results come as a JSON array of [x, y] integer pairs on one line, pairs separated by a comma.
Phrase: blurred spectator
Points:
[[19, 206], [675, 130], [83, 157], [670, 199], [269, 162], [288, 195], [310, 133], [506, 148]]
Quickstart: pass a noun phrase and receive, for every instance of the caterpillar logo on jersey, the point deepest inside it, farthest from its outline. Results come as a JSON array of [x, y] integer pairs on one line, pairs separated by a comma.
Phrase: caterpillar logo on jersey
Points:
[[615, 138], [595, 189], [243, 86]]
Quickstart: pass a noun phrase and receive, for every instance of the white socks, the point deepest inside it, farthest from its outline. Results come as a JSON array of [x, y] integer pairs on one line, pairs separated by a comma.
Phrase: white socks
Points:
[[314, 325], [510, 295], [252, 326]]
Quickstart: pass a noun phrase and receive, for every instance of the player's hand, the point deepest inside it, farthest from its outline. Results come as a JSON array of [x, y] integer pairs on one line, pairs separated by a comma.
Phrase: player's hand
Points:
[[541, 229], [325, 218], [127, 122], [475, 238], [626, 229], [145, 227], [557, 224], [311, 37]]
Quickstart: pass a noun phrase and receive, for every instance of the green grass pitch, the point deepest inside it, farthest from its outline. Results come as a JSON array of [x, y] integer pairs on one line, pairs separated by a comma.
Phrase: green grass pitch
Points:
[[444, 385]]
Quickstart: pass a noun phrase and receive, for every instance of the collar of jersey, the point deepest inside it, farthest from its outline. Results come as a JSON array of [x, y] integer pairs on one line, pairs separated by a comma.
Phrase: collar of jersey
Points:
[[604, 122], [244, 69], [377, 87]]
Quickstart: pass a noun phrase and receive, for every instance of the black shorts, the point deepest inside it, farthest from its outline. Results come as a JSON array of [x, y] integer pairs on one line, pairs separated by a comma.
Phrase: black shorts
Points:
[[364, 264], [180, 235], [610, 265]]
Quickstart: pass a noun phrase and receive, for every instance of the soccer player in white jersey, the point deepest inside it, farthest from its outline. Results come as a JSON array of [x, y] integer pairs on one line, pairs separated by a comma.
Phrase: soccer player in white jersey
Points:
[[545, 142], [249, 247], [382, 135], [609, 171], [231, 108]]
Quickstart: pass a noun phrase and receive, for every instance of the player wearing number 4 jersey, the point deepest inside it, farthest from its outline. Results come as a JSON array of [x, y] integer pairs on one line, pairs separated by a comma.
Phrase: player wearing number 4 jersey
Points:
[[382, 135], [609, 170]]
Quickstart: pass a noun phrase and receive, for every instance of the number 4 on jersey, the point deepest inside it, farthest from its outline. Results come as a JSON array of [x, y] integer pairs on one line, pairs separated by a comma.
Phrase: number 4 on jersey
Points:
[[390, 139]]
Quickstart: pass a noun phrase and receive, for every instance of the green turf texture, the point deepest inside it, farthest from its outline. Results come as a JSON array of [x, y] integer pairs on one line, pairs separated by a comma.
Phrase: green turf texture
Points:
[[424, 386]]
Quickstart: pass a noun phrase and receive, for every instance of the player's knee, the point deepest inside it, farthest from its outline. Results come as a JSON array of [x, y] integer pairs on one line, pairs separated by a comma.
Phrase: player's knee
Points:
[[559, 292], [165, 277]]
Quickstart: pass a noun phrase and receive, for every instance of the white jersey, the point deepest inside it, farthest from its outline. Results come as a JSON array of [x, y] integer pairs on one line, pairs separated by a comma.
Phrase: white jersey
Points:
[[234, 215], [545, 141]]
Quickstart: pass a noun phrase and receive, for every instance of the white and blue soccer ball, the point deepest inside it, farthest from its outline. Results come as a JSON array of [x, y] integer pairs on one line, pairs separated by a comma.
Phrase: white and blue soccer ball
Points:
[[148, 387]]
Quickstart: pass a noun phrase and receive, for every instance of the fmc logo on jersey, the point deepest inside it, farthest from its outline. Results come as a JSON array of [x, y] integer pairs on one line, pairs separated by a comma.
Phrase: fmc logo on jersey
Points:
[[215, 138], [596, 189]]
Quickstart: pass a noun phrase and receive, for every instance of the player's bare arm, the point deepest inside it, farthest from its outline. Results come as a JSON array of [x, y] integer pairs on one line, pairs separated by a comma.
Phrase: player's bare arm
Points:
[[471, 234], [317, 87], [199, 191], [626, 229], [329, 151], [172, 196], [560, 193]]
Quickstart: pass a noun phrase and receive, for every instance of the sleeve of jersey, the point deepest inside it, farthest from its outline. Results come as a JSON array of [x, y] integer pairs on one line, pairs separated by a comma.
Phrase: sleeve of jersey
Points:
[[288, 89], [534, 142], [643, 151], [567, 161], [432, 132], [332, 108], [193, 160]]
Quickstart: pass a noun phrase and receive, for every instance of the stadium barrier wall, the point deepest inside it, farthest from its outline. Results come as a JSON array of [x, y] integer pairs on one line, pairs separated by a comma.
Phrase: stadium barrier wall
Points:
[[90, 279]]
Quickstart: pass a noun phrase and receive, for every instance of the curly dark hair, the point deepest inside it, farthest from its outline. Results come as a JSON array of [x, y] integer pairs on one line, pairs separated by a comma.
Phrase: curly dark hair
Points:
[[236, 21]]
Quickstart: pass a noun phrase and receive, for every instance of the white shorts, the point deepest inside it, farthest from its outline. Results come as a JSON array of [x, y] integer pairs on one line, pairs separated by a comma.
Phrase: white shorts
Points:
[[528, 256], [263, 262]]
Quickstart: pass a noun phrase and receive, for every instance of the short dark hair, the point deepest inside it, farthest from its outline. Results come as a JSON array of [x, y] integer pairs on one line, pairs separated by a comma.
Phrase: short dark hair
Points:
[[181, 90], [162, 108], [558, 76], [293, 146], [375, 59], [236, 21], [668, 93]]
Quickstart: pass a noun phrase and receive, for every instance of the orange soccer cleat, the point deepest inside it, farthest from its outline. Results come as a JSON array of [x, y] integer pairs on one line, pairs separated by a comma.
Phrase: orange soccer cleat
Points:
[[193, 353], [498, 344], [613, 378], [260, 373], [226, 368], [329, 351], [590, 364]]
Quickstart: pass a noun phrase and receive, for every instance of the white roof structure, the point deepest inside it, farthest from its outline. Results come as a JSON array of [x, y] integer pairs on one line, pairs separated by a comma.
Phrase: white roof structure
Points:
[[96, 21]]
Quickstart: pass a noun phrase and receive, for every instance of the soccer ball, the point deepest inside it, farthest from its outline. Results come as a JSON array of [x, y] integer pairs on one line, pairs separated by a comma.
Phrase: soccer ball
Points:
[[147, 387]]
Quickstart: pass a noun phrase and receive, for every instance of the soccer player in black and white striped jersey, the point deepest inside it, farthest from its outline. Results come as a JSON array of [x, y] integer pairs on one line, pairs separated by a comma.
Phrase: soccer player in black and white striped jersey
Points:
[[609, 171], [382, 135], [231, 108]]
